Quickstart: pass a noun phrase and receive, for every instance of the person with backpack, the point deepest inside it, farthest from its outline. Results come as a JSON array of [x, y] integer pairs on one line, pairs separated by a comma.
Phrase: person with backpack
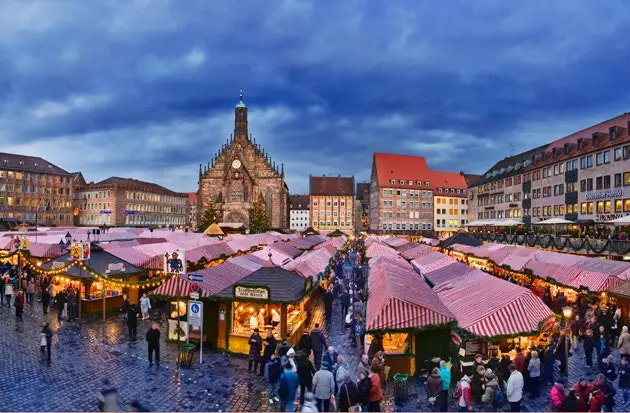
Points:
[[348, 394], [493, 397], [288, 386], [273, 370], [364, 385], [305, 373], [463, 395]]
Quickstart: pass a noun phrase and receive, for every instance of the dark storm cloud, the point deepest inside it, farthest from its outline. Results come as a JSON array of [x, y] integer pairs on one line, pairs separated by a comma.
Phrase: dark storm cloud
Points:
[[146, 88]]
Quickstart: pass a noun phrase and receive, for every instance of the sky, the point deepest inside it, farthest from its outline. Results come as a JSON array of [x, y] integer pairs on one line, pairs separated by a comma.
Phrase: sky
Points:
[[146, 89]]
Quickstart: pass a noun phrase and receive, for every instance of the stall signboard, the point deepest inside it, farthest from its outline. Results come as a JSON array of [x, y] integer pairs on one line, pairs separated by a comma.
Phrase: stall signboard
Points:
[[118, 267], [257, 293], [195, 313], [80, 251], [58, 264], [175, 262], [475, 347], [22, 242]]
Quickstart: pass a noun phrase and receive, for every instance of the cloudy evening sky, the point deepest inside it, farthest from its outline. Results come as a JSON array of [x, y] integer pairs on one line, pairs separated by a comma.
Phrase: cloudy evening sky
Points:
[[146, 89]]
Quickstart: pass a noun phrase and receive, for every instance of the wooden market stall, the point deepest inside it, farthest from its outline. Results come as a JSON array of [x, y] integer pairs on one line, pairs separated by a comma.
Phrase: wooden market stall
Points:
[[90, 278]]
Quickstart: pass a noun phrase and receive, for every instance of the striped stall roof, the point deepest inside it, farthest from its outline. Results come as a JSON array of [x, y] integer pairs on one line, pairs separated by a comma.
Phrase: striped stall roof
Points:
[[378, 248], [416, 252], [597, 281], [404, 300], [309, 264]]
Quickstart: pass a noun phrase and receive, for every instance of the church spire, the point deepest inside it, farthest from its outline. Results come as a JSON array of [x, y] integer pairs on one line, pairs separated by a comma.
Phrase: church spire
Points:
[[240, 119]]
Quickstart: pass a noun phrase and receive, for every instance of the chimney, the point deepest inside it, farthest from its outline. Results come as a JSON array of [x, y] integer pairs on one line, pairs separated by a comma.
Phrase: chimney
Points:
[[566, 148], [580, 143]]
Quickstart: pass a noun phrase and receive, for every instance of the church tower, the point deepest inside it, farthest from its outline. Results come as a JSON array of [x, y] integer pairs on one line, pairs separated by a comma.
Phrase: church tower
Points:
[[240, 119]]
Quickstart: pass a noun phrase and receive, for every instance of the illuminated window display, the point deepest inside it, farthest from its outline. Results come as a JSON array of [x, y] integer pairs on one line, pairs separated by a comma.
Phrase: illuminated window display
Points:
[[394, 343]]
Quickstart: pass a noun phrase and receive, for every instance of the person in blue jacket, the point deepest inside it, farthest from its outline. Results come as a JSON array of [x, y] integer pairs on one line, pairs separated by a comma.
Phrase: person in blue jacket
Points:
[[289, 383], [445, 374]]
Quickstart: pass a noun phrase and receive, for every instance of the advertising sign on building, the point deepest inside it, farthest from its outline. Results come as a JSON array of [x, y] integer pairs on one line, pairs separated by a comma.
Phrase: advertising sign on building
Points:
[[257, 293], [602, 195], [175, 262]]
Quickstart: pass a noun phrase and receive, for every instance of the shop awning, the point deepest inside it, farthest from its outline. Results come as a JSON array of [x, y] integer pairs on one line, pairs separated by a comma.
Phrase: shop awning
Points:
[[310, 264], [403, 300], [100, 261], [377, 248], [416, 252], [488, 306]]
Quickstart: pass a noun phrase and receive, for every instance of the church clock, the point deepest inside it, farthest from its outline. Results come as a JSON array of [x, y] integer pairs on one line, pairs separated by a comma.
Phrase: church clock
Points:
[[236, 164]]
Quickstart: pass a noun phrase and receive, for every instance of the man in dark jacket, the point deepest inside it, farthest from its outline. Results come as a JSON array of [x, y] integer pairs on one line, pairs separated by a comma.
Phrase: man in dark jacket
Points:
[[284, 347], [61, 304], [305, 344], [319, 345], [270, 348], [273, 370], [255, 346], [153, 340], [305, 373], [589, 344], [329, 298], [45, 300], [132, 322], [345, 303]]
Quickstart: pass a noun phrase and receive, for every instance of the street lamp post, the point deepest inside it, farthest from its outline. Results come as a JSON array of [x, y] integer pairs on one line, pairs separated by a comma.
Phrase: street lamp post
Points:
[[567, 312]]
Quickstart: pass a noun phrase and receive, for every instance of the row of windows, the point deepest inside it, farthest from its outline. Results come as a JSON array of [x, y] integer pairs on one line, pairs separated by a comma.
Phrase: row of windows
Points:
[[603, 182], [442, 211], [95, 195], [405, 204], [143, 196], [412, 214], [29, 176], [34, 202], [334, 213], [32, 216], [507, 182], [451, 201], [450, 223], [451, 190], [410, 183], [334, 223], [499, 199], [334, 203], [605, 207], [33, 189], [405, 226], [403, 193], [508, 213]]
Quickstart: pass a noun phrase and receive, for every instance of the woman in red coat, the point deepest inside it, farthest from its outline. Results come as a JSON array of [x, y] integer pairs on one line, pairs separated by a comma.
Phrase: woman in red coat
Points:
[[583, 392], [597, 399]]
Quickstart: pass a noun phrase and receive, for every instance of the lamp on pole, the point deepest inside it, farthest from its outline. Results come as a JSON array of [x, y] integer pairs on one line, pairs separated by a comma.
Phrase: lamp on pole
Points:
[[567, 312]]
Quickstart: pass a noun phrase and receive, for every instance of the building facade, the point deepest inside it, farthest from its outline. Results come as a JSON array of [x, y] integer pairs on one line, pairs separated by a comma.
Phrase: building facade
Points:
[[299, 212], [130, 202], [583, 177], [362, 207], [401, 195], [450, 201], [238, 174], [192, 210], [332, 203], [34, 190]]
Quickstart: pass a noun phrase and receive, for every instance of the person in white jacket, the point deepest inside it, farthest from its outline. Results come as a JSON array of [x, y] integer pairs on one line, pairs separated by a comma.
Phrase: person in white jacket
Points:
[[515, 389], [145, 306]]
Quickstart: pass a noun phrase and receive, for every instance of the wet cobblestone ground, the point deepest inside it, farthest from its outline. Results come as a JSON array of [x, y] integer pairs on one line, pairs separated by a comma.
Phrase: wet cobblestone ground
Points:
[[83, 357]]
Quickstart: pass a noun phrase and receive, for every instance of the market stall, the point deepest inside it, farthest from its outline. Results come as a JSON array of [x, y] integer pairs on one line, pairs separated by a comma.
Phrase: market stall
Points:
[[91, 277]]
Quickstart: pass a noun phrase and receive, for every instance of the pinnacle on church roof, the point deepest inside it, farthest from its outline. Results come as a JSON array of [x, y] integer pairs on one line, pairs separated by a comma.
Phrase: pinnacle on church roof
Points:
[[241, 104]]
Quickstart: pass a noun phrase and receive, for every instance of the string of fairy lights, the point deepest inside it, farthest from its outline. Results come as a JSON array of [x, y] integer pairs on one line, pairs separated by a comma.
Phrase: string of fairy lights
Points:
[[60, 273]]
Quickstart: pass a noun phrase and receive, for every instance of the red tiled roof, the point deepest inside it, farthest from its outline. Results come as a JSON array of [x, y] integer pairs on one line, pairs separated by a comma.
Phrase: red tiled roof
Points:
[[26, 163], [299, 202], [328, 185], [400, 167], [588, 132], [448, 180]]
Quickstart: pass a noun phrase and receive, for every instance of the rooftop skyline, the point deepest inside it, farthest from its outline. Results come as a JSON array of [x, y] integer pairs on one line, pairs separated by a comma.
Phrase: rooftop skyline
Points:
[[146, 90]]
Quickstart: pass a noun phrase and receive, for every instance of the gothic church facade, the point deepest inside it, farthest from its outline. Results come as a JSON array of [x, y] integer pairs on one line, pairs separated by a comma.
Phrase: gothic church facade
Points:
[[238, 173]]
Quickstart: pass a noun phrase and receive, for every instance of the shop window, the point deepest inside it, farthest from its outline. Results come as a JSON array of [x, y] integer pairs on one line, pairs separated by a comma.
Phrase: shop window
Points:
[[607, 207], [626, 178], [600, 207], [618, 205], [626, 205], [248, 316]]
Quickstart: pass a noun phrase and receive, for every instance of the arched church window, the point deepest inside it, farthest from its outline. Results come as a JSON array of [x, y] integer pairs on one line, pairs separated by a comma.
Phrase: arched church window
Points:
[[269, 204]]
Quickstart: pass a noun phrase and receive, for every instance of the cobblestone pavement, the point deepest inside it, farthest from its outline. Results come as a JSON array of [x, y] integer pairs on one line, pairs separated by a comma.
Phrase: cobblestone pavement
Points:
[[83, 358]]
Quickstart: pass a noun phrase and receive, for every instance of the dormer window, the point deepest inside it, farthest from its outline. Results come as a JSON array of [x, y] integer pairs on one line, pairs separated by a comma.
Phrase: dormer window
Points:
[[613, 133], [410, 183], [393, 181], [36, 164], [440, 190], [21, 162], [580, 143], [426, 183], [402, 182], [418, 183]]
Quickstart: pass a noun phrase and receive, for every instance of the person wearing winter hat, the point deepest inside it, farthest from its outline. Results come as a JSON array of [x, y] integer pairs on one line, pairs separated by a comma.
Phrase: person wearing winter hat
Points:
[[291, 359], [464, 395], [323, 387], [310, 405], [557, 395]]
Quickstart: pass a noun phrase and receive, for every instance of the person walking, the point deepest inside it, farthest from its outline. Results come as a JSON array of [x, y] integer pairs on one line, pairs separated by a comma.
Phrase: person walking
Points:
[[289, 383], [345, 304], [255, 347], [132, 322], [589, 345], [576, 327], [310, 403], [72, 304], [60, 304], [556, 395], [348, 393], [434, 389], [364, 366], [270, 344], [323, 387], [47, 342], [19, 305], [108, 398], [145, 306], [30, 290], [305, 371], [318, 341], [153, 341], [515, 389], [607, 368], [624, 343], [329, 298], [445, 374], [8, 291], [45, 300], [273, 371], [533, 367]]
